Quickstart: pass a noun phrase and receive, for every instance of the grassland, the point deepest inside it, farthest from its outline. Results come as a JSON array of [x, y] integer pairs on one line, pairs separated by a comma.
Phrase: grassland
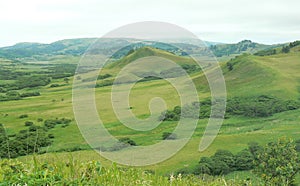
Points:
[[276, 75]]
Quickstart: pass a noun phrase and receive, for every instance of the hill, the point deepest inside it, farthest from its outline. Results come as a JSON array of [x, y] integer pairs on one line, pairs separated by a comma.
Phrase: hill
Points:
[[76, 47], [245, 46], [38, 97]]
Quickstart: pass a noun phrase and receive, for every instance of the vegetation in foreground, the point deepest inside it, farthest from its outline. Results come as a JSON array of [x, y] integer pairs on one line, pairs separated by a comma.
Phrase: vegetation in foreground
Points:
[[13, 172]]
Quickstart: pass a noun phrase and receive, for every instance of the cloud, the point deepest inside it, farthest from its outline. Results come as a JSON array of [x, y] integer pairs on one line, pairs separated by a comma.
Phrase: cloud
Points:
[[219, 20]]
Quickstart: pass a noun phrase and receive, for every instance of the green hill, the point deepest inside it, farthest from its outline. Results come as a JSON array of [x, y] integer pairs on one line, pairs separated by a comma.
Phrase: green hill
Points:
[[38, 96]]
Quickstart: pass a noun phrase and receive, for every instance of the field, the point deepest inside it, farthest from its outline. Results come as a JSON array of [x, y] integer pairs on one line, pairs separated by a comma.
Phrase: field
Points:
[[250, 75]]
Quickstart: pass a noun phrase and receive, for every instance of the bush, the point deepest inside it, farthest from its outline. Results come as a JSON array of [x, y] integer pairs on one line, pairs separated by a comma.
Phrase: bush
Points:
[[54, 85], [40, 120], [278, 163], [28, 123], [30, 94], [244, 160], [23, 116], [169, 136], [127, 141], [51, 123]]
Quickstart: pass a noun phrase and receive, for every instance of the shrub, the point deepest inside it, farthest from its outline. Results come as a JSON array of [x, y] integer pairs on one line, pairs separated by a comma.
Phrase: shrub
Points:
[[128, 141], [30, 94], [23, 116], [40, 120], [169, 136], [28, 123], [244, 160], [278, 163], [54, 85]]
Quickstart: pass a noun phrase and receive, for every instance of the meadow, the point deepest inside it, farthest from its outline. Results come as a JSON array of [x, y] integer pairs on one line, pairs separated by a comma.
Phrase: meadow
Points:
[[249, 76]]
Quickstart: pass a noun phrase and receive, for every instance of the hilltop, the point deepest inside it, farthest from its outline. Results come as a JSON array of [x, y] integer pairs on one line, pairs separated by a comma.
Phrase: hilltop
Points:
[[76, 47]]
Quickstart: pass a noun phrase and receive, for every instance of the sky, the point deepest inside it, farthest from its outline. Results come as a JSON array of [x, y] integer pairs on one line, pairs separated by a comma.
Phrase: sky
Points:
[[228, 21]]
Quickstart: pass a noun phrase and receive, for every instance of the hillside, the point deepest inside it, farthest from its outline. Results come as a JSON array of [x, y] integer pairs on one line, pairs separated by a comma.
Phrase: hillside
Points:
[[37, 96], [76, 47], [245, 46]]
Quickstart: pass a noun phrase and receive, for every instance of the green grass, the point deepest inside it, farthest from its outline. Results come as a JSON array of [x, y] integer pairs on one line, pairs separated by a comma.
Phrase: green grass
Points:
[[277, 75]]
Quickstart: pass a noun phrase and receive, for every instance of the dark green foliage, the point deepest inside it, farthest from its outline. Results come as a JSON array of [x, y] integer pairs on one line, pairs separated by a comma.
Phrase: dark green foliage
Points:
[[32, 81], [128, 141], [30, 94], [6, 74], [205, 166], [293, 44], [23, 116], [265, 52], [51, 123], [285, 49], [54, 85], [149, 78], [224, 162], [261, 106], [224, 156], [297, 145], [278, 163], [190, 68], [104, 76], [40, 119], [171, 115], [62, 71], [119, 145], [229, 66], [28, 123], [23, 143], [255, 149], [244, 160], [105, 83], [169, 136]]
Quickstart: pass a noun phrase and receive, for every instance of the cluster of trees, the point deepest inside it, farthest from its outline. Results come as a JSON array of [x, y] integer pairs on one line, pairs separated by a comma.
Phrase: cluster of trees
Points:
[[277, 163], [222, 50], [25, 82], [224, 162], [61, 71], [24, 79], [286, 49], [15, 95], [266, 52], [257, 106], [119, 145], [30, 140], [24, 142], [51, 123]]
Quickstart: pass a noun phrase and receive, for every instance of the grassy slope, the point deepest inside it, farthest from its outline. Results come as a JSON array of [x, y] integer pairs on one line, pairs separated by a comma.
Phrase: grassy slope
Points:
[[251, 75]]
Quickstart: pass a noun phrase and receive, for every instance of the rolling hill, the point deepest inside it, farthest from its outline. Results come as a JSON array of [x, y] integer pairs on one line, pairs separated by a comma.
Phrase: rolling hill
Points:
[[270, 77]]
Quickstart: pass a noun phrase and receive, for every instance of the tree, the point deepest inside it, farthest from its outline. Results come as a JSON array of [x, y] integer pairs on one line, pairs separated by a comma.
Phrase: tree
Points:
[[285, 49], [278, 163], [244, 160]]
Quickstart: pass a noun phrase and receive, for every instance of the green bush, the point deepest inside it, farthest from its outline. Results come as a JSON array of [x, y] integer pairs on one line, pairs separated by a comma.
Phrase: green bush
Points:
[[28, 123], [30, 94], [23, 116], [278, 163], [169, 136]]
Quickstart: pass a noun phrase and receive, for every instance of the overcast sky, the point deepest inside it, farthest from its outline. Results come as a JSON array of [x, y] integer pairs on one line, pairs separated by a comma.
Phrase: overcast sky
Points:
[[264, 21]]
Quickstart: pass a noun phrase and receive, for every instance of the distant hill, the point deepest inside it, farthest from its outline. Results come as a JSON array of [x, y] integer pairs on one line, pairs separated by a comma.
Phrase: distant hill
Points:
[[245, 46], [106, 46]]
